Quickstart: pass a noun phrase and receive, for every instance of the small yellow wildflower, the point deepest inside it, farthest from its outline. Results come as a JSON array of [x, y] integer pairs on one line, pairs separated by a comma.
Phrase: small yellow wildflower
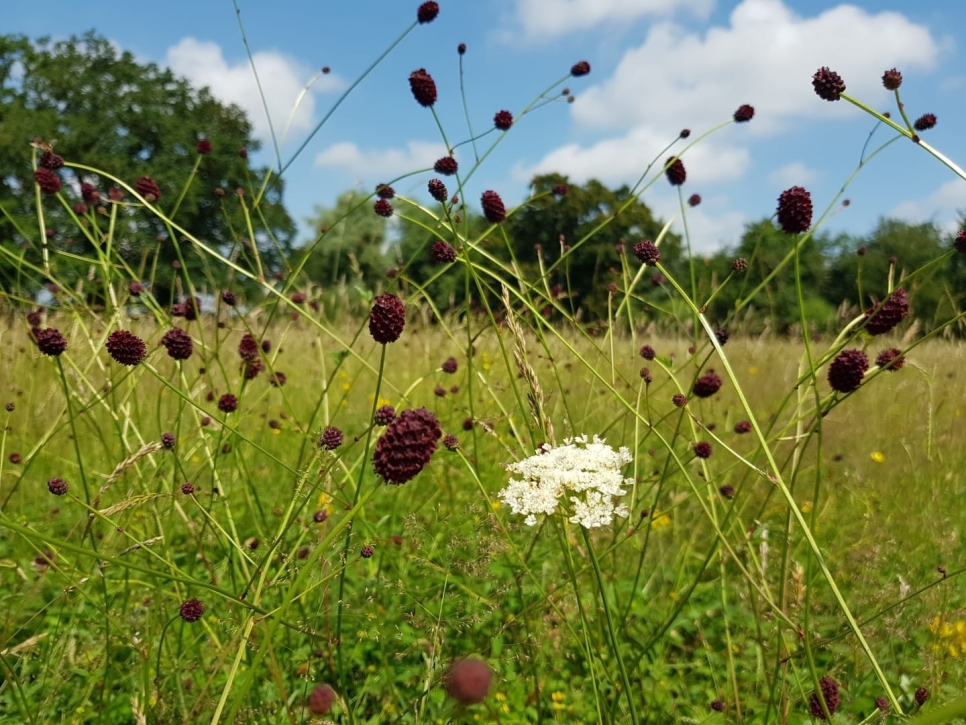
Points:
[[558, 700], [753, 370], [661, 522], [878, 456], [806, 507]]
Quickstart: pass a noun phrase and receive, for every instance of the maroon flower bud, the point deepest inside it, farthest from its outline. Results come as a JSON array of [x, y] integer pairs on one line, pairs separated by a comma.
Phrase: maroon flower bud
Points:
[[320, 516], [57, 486], [925, 122], [440, 391], [727, 491], [847, 370], [89, 194], [126, 348], [384, 191], [187, 488], [47, 180], [115, 194], [384, 415], [829, 692], [922, 694], [744, 114], [331, 438], [383, 208], [892, 79], [278, 379], [694, 200], [227, 403], [828, 84], [707, 385], [406, 446], [442, 252], [679, 400], [890, 358], [192, 610], [675, 172], [252, 368], [387, 318], [739, 265], [717, 705], [49, 341], [647, 252], [647, 352], [228, 297], [884, 317], [468, 424], [493, 208], [243, 153], [580, 69], [461, 48], [721, 335], [148, 188], [203, 147], [702, 449], [451, 442], [135, 288], [795, 210], [437, 190], [427, 12], [178, 343], [423, 87], [685, 132], [503, 120], [742, 426], [168, 440], [248, 347], [446, 166], [50, 160], [450, 365], [959, 243]]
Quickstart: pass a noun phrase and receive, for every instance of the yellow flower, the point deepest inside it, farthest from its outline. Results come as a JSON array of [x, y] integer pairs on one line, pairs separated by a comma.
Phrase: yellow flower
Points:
[[878, 456], [806, 507], [558, 700], [661, 522], [753, 370]]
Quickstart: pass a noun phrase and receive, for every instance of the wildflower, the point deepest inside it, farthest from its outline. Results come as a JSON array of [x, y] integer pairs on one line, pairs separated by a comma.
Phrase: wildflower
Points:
[[437, 190], [847, 370], [795, 210], [721, 335], [384, 191], [387, 318], [135, 288], [467, 424], [47, 180], [50, 160], [727, 491], [423, 87], [892, 79], [647, 352], [248, 347], [707, 385], [80, 209], [694, 200], [49, 341], [442, 252], [384, 415], [115, 194], [828, 84], [331, 438], [383, 208], [407, 446], [297, 299], [878, 456], [461, 48], [503, 120], [744, 113], [675, 172], [647, 252], [178, 343], [468, 681], [320, 516], [278, 379], [446, 166], [742, 426], [125, 347], [925, 122], [227, 403], [717, 705], [493, 208], [148, 188], [451, 442], [9, 407], [252, 368], [57, 486], [203, 147], [829, 690], [89, 194], [922, 694], [882, 703], [960, 242], [591, 471], [886, 316], [739, 265], [679, 400], [580, 69], [367, 551], [192, 610], [646, 376], [685, 132], [187, 488], [702, 449], [450, 365], [168, 440], [228, 297], [427, 12], [890, 358]]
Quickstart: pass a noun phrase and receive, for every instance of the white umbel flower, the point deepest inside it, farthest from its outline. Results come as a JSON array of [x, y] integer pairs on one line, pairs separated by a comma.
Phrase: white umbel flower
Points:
[[589, 471]]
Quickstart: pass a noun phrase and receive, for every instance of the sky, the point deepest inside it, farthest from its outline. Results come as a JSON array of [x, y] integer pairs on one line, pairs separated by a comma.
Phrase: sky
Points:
[[658, 66]]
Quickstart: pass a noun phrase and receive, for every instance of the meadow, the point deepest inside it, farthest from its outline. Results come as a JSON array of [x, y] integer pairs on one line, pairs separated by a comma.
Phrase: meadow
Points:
[[231, 495]]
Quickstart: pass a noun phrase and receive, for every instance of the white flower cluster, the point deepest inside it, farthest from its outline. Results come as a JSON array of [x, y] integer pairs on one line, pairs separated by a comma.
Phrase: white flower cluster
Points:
[[591, 471]]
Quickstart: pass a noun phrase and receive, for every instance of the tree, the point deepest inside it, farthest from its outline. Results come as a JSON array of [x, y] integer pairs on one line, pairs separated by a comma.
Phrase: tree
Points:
[[111, 113]]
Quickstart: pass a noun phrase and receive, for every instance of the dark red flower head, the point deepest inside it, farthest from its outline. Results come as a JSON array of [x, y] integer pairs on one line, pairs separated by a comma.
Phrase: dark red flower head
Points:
[[384, 191], [382, 207], [446, 166], [47, 180], [493, 208], [243, 153], [406, 446], [203, 147], [331, 438], [728, 491], [277, 380], [89, 194], [423, 87], [694, 200], [384, 415], [702, 449], [847, 370], [126, 348], [647, 252], [744, 113], [442, 252], [227, 403], [192, 610], [892, 79], [675, 172], [178, 343], [503, 120], [461, 48], [959, 243], [828, 84], [743, 426], [890, 358], [679, 400], [580, 69], [49, 341], [739, 265], [884, 317], [135, 288], [921, 695], [115, 194], [50, 160], [437, 190], [828, 691], [367, 551], [450, 365], [647, 352], [795, 210], [427, 12], [387, 318], [168, 440], [925, 122], [468, 681], [148, 188], [228, 297], [248, 347], [707, 385], [57, 486], [560, 190]]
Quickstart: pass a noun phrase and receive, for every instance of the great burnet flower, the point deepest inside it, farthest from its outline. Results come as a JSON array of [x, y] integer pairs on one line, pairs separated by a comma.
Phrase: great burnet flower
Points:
[[795, 210], [47, 180], [647, 252], [178, 343], [423, 87], [442, 252], [925, 122], [407, 446], [503, 120], [126, 347], [148, 188], [582, 477], [49, 341], [387, 318], [437, 190], [675, 172], [493, 208], [829, 690], [884, 317], [446, 165], [847, 370], [828, 84], [744, 113]]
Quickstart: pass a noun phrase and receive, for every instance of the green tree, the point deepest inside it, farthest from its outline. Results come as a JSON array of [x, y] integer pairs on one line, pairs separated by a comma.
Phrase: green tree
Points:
[[111, 113]]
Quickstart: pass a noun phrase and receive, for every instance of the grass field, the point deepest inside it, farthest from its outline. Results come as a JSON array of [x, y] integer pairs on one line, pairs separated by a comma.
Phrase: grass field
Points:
[[708, 598]]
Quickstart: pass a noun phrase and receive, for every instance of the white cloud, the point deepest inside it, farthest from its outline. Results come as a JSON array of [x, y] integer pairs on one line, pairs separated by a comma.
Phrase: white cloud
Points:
[[766, 57], [282, 79], [549, 18], [944, 206], [381, 164], [793, 174]]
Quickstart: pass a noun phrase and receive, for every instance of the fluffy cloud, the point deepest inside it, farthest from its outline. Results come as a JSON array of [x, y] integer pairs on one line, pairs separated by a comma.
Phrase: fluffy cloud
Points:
[[944, 206], [381, 164], [549, 18], [282, 79], [793, 174], [765, 56]]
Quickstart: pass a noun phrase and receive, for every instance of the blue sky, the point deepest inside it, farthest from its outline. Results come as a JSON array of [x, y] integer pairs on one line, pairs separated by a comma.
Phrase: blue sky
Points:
[[657, 66]]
